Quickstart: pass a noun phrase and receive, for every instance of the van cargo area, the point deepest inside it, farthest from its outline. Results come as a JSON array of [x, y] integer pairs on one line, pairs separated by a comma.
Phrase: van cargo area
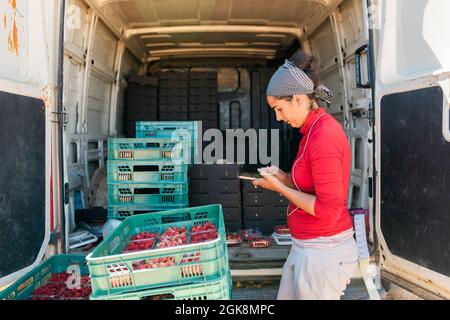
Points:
[[120, 66]]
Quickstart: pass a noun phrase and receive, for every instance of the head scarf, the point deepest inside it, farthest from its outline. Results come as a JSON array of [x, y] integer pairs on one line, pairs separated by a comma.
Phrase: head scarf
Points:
[[289, 80]]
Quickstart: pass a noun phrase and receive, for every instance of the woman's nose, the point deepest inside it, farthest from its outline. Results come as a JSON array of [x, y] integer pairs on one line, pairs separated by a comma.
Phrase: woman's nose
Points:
[[279, 116]]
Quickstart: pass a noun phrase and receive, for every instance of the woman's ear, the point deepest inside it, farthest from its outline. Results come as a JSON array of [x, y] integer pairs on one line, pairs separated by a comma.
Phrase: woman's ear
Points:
[[297, 99]]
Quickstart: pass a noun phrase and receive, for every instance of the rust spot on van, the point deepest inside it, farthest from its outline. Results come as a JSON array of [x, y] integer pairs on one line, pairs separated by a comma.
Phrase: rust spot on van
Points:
[[12, 3], [13, 35], [4, 21], [46, 97]]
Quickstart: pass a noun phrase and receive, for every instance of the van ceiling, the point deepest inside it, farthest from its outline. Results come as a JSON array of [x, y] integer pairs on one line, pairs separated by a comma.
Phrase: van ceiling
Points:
[[213, 28]]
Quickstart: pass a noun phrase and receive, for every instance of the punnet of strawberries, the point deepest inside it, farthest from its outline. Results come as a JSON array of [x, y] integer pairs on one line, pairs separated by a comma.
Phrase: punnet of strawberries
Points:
[[172, 237], [204, 232], [207, 226], [282, 229], [144, 235], [140, 245], [204, 236], [141, 241], [162, 262]]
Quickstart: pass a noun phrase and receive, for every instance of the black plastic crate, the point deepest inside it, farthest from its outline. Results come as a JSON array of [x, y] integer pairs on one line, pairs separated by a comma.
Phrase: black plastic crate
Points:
[[142, 80], [232, 214], [204, 115], [248, 187], [173, 116], [174, 75], [215, 185], [203, 84], [214, 171], [202, 91], [233, 226], [264, 199], [183, 108], [142, 116], [197, 108], [266, 212], [203, 99], [225, 199]]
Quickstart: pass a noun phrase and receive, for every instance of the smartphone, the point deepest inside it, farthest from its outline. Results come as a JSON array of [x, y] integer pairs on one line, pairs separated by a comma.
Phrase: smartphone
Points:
[[249, 172]]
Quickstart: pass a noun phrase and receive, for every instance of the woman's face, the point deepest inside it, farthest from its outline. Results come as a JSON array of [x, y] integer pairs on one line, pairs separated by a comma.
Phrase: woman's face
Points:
[[292, 112]]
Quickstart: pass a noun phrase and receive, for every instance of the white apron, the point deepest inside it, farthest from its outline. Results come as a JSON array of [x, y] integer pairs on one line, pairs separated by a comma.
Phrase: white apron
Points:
[[319, 269]]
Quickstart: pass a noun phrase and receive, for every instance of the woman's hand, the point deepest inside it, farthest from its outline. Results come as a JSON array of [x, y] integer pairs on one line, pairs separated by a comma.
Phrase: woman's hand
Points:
[[272, 179]]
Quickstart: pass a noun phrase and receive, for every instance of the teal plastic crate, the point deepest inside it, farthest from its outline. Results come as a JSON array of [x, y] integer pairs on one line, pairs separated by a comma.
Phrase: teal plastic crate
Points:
[[112, 270], [122, 212], [156, 194], [220, 289], [183, 130], [164, 149], [23, 288], [146, 172]]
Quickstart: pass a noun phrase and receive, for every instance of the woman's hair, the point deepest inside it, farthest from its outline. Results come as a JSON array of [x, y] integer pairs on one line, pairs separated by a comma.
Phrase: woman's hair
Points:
[[307, 63]]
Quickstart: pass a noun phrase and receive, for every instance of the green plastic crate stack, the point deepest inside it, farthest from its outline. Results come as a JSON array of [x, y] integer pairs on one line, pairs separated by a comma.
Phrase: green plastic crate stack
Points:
[[189, 131], [27, 287], [146, 175], [123, 267]]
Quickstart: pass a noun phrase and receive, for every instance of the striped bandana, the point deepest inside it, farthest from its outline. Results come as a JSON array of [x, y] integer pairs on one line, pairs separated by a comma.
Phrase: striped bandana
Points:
[[289, 80]]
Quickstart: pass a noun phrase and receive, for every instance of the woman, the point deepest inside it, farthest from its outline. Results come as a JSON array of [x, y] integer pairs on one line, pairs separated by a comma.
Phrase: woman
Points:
[[324, 254]]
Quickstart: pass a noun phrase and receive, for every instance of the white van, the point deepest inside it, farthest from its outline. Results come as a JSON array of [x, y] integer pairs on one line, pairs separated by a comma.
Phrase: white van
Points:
[[63, 85]]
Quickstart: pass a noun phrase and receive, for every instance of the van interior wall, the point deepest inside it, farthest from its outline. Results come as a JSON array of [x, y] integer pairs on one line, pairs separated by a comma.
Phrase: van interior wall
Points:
[[96, 66]]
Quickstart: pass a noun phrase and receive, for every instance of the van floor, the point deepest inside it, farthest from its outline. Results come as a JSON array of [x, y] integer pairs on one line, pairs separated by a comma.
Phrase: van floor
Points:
[[356, 290]]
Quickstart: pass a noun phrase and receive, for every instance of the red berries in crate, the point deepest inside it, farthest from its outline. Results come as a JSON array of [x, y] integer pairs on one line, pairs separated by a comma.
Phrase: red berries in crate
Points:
[[140, 245], [57, 288], [207, 226], [173, 237], [172, 241], [59, 277], [173, 231], [81, 293], [144, 235], [204, 236], [49, 290], [154, 263]]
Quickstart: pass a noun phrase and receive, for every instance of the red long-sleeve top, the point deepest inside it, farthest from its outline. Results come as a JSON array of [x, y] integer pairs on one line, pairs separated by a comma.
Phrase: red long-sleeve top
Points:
[[324, 171]]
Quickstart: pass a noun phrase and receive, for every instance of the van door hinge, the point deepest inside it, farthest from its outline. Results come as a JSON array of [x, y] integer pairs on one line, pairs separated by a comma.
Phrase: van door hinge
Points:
[[60, 118], [66, 193], [371, 116]]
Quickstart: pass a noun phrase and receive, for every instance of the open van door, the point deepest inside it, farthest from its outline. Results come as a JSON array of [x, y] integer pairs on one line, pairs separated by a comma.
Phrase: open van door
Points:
[[412, 112], [29, 125]]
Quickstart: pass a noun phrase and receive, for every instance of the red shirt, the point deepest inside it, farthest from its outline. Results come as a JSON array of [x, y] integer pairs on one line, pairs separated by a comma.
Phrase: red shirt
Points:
[[324, 171]]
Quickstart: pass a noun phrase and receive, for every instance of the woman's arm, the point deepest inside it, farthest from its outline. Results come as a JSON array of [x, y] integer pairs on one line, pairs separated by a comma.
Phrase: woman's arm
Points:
[[279, 183], [285, 178], [288, 181], [300, 199]]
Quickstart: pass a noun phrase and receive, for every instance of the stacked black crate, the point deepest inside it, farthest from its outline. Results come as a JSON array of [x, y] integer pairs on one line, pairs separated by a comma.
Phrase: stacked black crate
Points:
[[203, 99], [263, 208], [217, 183], [173, 96], [141, 101]]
